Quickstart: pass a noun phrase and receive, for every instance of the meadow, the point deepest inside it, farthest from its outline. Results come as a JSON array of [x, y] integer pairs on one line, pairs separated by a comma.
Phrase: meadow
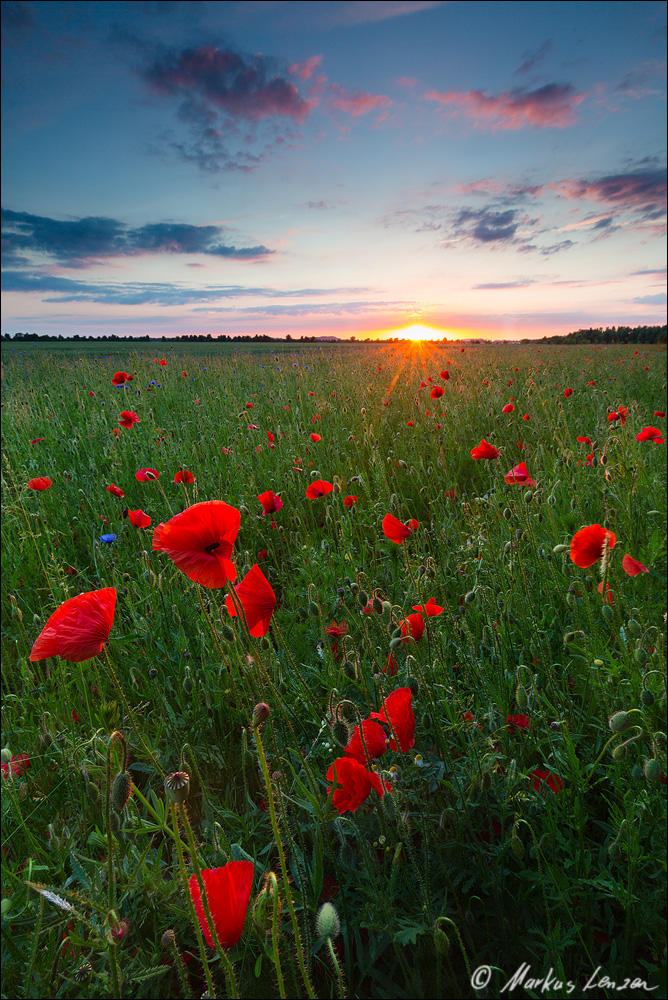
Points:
[[416, 755]]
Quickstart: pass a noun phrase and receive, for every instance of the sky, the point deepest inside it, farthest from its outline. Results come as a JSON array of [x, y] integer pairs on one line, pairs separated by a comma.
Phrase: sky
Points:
[[362, 169]]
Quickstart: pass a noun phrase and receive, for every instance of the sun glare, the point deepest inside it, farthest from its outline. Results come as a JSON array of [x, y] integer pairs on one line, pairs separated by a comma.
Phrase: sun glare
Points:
[[420, 332]]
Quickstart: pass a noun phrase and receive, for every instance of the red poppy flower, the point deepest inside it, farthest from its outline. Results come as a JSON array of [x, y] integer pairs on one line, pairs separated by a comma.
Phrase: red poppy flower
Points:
[[270, 502], [430, 609], [659, 413], [316, 437], [138, 518], [445, 376], [184, 477], [185, 374], [590, 459], [398, 712], [335, 631], [449, 494], [39, 484], [520, 475], [375, 741], [144, 475], [18, 764], [508, 408], [270, 436], [115, 490], [517, 723], [79, 628], [436, 392], [484, 450], [526, 417], [36, 440], [262, 555], [163, 362], [584, 440], [128, 418], [568, 392], [258, 601], [632, 567], [249, 406], [396, 531], [412, 627], [353, 784], [228, 891], [609, 599], [588, 544], [200, 541], [317, 489], [391, 666], [650, 434], [538, 779], [120, 377], [349, 501]]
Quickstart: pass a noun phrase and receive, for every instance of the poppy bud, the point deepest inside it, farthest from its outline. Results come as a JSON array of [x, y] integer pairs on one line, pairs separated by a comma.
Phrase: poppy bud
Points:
[[507, 513], [614, 851], [314, 610], [619, 722], [227, 633], [6, 755], [377, 606], [470, 597], [640, 654], [469, 918], [426, 722], [421, 570], [517, 846], [637, 773], [349, 669], [551, 500], [363, 598], [521, 697], [354, 587], [646, 697], [387, 606], [608, 613], [441, 941], [188, 682], [121, 791], [412, 683], [341, 733], [396, 633], [261, 713], [619, 752], [243, 509], [115, 822], [634, 627], [153, 673], [394, 643], [652, 770], [265, 643], [328, 924], [177, 787], [168, 939]]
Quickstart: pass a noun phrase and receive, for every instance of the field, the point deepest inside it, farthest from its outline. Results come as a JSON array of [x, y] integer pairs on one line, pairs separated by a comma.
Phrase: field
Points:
[[501, 820]]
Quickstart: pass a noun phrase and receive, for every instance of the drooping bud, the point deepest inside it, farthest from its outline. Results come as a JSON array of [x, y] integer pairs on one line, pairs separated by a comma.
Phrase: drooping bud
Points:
[[521, 697], [261, 713], [341, 733], [412, 683], [619, 722], [121, 791], [377, 606], [646, 697], [177, 787], [441, 941], [652, 770]]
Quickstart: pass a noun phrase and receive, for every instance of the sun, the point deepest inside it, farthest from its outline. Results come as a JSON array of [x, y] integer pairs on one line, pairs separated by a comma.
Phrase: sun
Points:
[[419, 331]]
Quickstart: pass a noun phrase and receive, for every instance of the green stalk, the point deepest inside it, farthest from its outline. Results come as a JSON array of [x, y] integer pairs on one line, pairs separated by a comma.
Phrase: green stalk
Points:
[[274, 938], [131, 715]]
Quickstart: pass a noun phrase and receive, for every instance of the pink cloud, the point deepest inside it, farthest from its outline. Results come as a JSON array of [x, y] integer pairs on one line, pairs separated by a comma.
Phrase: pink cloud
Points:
[[643, 189], [306, 69], [355, 103], [407, 81], [551, 106]]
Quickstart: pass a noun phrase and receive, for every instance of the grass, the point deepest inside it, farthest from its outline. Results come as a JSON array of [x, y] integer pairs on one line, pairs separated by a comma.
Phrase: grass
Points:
[[465, 863]]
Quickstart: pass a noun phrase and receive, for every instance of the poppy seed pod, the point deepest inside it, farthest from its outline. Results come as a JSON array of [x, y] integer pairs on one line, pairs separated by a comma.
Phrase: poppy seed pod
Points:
[[177, 787]]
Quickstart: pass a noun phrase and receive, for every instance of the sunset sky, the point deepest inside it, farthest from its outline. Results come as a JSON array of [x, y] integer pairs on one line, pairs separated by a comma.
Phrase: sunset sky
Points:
[[482, 169]]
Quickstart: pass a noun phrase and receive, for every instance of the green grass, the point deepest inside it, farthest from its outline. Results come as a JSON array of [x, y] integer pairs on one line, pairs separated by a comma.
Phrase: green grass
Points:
[[464, 864]]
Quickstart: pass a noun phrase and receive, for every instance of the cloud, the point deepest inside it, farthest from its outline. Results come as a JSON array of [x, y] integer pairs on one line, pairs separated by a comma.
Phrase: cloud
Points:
[[654, 271], [531, 59], [486, 226], [355, 103], [651, 300], [80, 242], [142, 293], [495, 285], [247, 87], [372, 11], [642, 190], [551, 106], [306, 69], [312, 309]]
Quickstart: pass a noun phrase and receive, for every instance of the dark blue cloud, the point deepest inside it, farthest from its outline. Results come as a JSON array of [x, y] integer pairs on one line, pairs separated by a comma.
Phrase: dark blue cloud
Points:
[[487, 226], [78, 242]]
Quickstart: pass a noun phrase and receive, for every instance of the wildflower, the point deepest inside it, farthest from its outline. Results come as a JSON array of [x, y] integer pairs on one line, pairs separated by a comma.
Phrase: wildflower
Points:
[[228, 891], [128, 418], [445, 376], [568, 392], [609, 599], [396, 531], [262, 555], [36, 440], [517, 723], [398, 712], [632, 567], [526, 417], [163, 362], [79, 628], [436, 392], [430, 609], [335, 631], [184, 374], [484, 450], [270, 501], [318, 489], [315, 438], [584, 440], [257, 599], [349, 501], [144, 475], [374, 739], [138, 518], [589, 544], [108, 539], [184, 477], [539, 778], [115, 491], [39, 484], [391, 666], [200, 541], [520, 475], [659, 413], [353, 784], [508, 408], [412, 627], [270, 436], [120, 377], [650, 434]]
